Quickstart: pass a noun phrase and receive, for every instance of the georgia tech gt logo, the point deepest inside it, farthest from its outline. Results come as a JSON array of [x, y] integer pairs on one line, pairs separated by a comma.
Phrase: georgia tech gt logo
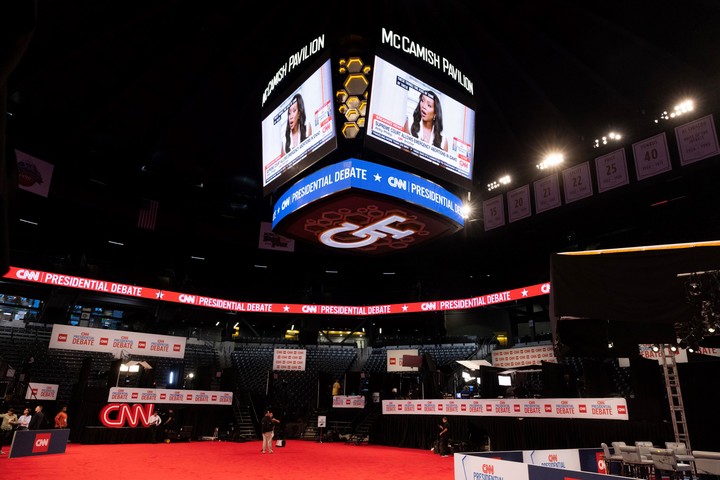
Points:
[[367, 235]]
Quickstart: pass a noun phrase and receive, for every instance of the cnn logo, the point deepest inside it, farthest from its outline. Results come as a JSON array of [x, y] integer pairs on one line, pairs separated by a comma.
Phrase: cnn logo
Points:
[[41, 443]]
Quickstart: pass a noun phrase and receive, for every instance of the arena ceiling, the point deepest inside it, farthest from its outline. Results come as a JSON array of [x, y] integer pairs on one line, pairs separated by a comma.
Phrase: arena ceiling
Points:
[[161, 100]]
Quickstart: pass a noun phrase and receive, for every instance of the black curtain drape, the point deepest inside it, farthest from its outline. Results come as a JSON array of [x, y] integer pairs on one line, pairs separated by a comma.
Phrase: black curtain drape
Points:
[[414, 431]]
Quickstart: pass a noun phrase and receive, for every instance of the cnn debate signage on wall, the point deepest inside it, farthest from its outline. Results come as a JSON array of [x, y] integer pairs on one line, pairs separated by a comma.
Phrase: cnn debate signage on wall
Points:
[[163, 395], [588, 408], [68, 337], [42, 391]]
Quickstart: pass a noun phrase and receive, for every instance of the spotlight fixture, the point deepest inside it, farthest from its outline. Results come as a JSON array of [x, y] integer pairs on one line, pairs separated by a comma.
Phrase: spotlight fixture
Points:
[[655, 348], [551, 160], [605, 139], [504, 180], [680, 109]]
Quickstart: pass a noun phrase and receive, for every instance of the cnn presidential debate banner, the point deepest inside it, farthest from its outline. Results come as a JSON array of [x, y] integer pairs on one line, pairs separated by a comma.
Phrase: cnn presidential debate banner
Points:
[[67, 337], [162, 395], [42, 391], [593, 408]]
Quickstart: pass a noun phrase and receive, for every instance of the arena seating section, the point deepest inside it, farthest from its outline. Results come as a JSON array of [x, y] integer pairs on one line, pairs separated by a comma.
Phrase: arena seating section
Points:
[[252, 364]]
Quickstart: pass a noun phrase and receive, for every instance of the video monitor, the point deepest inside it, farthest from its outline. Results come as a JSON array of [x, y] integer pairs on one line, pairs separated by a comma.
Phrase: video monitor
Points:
[[420, 124], [300, 129], [504, 380]]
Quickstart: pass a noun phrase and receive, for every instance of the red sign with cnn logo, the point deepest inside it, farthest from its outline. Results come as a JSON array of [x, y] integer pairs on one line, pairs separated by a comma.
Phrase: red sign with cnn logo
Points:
[[41, 443]]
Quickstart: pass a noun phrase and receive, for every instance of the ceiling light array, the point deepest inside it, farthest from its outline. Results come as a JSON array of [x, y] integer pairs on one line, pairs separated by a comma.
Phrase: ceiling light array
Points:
[[504, 180], [657, 346], [551, 160], [605, 139], [679, 110], [702, 290]]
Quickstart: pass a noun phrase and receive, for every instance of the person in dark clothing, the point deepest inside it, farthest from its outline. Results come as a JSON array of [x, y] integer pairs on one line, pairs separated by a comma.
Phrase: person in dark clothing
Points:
[[267, 426], [444, 437], [170, 424], [37, 422]]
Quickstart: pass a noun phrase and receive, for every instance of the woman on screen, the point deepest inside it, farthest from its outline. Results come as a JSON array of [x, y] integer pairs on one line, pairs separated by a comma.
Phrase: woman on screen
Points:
[[427, 122], [297, 128]]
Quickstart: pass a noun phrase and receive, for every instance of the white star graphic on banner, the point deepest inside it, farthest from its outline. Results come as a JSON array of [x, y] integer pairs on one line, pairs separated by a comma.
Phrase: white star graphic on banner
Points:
[[377, 177], [286, 308], [404, 307], [159, 295], [524, 292]]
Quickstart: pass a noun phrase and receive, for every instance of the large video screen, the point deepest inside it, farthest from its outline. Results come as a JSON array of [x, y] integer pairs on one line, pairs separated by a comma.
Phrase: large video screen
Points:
[[300, 130], [419, 125]]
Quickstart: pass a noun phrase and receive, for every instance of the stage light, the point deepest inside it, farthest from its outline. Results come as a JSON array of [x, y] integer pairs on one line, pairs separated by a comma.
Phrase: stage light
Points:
[[504, 180], [551, 160], [679, 110], [605, 139], [655, 348]]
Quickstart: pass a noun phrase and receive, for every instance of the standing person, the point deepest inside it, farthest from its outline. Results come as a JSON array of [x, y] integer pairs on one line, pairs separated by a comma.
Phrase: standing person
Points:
[[37, 422], [9, 420], [169, 423], [154, 422], [427, 121], [444, 437], [297, 128], [61, 418], [336, 387], [24, 420], [267, 426]]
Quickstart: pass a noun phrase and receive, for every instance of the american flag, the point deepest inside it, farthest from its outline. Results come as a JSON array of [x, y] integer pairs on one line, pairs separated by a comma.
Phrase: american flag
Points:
[[147, 217]]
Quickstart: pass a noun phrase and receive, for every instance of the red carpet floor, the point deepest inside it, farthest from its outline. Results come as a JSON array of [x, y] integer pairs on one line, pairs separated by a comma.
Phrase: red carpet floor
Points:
[[299, 459]]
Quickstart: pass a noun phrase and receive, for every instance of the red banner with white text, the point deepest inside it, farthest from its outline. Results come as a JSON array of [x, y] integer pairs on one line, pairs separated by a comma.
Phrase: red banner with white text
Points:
[[47, 278]]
